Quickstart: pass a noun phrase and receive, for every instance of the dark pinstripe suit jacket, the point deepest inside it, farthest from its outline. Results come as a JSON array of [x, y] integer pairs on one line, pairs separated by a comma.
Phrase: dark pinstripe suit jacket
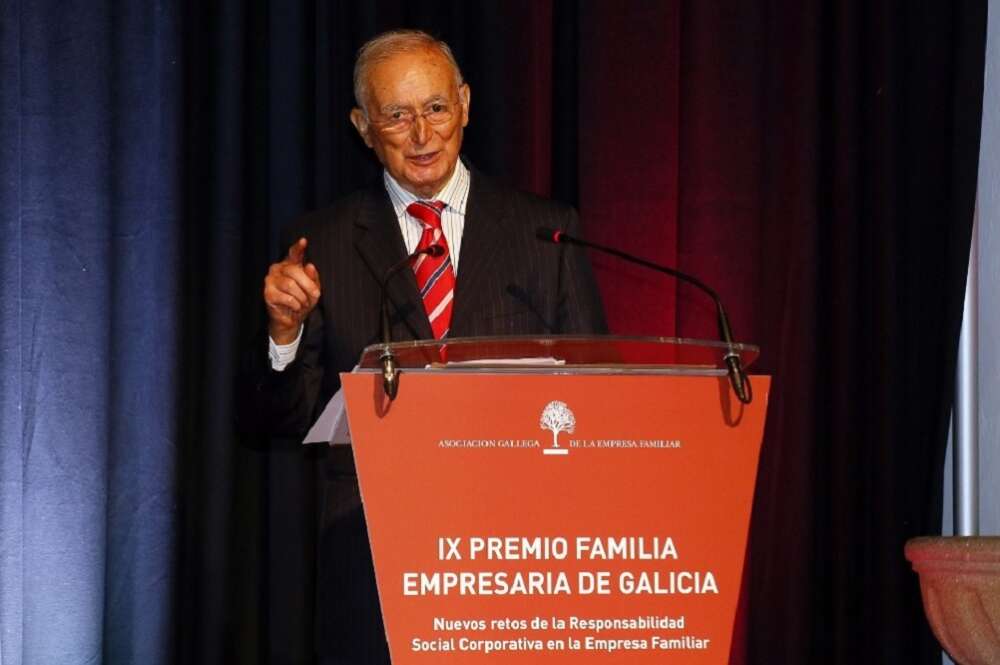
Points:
[[508, 282]]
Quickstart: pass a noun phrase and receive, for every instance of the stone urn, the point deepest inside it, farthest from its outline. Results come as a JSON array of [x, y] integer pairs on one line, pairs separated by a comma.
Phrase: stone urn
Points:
[[960, 584]]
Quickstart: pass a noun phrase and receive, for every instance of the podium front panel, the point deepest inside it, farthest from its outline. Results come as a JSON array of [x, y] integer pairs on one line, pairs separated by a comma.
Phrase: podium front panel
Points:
[[557, 518]]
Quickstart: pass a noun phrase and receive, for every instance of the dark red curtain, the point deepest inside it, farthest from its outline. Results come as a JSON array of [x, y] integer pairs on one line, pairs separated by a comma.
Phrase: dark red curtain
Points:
[[815, 161]]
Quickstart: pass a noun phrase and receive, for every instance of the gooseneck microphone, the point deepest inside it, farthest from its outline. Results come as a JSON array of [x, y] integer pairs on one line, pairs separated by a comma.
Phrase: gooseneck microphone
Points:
[[737, 377], [390, 369]]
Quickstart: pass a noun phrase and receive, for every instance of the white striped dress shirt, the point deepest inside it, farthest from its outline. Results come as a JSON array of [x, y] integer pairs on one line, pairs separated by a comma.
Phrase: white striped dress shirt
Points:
[[455, 195]]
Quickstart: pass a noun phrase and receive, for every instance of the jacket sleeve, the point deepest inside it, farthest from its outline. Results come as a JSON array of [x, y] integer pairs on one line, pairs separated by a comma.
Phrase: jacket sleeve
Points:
[[282, 404]]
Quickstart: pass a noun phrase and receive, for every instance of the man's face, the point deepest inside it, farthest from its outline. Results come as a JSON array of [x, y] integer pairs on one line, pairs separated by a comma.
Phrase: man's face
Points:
[[421, 151]]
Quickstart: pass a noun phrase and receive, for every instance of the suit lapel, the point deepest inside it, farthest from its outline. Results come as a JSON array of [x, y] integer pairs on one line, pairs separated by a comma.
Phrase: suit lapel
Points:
[[380, 244], [482, 247]]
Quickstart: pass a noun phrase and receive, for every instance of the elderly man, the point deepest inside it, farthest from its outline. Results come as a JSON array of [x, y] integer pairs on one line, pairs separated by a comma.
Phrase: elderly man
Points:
[[322, 299]]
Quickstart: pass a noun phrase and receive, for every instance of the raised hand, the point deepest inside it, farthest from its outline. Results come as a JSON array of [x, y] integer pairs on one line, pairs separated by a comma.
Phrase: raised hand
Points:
[[291, 291]]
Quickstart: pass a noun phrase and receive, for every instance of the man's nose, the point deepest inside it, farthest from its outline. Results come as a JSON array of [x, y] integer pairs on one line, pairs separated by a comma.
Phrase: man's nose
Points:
[[421, 130]]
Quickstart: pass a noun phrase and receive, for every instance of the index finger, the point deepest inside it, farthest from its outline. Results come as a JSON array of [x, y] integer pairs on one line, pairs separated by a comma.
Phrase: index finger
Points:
[[297, 252]]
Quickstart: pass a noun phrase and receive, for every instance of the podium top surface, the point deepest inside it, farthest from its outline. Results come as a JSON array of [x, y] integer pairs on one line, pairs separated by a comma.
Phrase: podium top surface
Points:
[[575, 353]]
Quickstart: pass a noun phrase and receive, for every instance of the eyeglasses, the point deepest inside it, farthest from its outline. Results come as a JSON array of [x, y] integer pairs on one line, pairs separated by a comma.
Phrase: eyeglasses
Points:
[[401, 119]]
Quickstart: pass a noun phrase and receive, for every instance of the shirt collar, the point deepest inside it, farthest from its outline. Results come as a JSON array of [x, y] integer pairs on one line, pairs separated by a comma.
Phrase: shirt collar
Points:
[[454, 194]]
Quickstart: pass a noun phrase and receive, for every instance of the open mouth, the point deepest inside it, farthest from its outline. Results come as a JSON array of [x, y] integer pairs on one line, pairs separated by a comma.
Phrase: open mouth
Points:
[[423, 159]]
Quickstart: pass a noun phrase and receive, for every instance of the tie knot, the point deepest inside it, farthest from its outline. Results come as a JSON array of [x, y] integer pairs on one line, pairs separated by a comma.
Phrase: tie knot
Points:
[[428, 212]]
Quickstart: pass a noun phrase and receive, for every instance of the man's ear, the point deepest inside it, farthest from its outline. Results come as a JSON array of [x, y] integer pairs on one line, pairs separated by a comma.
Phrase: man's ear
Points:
[[360, 122], [464, 99]]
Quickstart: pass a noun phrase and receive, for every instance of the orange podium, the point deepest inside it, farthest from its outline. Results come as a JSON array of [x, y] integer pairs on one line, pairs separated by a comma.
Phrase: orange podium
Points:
[[557, 500]]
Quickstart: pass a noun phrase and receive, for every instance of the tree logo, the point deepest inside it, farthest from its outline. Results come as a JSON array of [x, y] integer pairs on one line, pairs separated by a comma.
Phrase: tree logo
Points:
[[557, 417]]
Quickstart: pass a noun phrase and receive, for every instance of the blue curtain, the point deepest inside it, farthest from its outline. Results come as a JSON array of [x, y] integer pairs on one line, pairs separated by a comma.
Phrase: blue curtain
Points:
[[89, 207]]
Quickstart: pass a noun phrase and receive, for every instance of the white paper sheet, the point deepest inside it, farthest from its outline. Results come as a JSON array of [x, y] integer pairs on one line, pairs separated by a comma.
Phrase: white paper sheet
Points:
[[500, 362], [331, 426]]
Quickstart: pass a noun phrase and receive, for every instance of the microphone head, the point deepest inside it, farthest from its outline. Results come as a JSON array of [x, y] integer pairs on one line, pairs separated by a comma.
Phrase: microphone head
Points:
[[434, 251], [549, 235]]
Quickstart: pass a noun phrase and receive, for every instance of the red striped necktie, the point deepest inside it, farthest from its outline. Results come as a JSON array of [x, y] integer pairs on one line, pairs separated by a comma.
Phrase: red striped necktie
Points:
[[435, 276]]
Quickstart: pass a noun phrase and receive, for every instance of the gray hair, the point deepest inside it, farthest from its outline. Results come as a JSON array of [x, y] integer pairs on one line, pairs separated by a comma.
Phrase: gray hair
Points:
[[389, 44]]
